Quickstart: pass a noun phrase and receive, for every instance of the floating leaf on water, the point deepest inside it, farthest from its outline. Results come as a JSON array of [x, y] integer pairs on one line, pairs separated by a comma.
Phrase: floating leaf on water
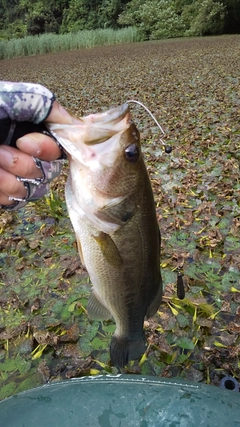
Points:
[[168, 276], [98, 343], [7, 390], [230, 279], [103, 365], [143, 359], [182, 320], [173, 310], [33, 379], [232, 289], [185, 343], [109, 329], [8, 366], [38, 351], [168, 358], [94, 372], [219, 344], [182, 358], [72, 306], [212, 316], [18, 363], [195, 315]]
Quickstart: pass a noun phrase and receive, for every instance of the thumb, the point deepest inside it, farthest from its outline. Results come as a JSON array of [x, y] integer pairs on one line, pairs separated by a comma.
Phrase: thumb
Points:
[[59, 115]]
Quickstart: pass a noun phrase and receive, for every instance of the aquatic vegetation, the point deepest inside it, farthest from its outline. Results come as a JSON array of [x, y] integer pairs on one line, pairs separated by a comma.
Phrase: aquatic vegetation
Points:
[[192, 87]]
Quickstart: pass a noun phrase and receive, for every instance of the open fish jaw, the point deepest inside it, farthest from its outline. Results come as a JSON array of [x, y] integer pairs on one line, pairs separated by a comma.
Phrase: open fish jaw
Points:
[[95, 129], [108, 118]]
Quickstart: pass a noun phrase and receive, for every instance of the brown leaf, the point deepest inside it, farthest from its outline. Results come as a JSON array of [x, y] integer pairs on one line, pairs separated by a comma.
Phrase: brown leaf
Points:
[[71, 334]]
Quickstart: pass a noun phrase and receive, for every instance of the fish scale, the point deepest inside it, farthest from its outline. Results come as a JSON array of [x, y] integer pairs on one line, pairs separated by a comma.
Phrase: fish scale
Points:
[[112, 210]]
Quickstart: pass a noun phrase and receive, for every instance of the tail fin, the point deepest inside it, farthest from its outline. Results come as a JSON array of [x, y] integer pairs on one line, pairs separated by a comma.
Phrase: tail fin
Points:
[[122, 350]]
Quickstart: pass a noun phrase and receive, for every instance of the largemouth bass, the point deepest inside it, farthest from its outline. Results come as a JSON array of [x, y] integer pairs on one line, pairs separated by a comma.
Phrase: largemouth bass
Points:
[[111, 207]]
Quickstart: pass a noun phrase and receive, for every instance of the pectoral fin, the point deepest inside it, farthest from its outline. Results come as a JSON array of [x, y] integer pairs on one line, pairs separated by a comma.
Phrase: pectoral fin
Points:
[[109, 249], [96, 309], [119, 212]]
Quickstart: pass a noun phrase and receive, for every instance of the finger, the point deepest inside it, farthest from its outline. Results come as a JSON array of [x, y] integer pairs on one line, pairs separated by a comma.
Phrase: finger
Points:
[[4, 200], [59, 115], [39, 145], [17, 163], [10, 187]]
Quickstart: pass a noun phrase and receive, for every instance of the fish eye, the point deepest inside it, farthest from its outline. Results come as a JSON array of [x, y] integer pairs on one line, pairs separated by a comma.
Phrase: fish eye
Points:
[[132, 153]]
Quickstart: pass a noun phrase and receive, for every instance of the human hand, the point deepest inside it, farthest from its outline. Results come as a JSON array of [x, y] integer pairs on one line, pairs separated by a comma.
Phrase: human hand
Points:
[[27, 169]]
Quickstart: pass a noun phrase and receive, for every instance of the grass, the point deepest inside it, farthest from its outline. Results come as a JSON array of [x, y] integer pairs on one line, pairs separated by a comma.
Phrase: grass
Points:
[[45, 43]]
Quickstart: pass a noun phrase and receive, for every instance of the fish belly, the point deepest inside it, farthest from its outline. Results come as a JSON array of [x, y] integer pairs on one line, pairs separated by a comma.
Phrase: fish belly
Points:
[[125, 274]]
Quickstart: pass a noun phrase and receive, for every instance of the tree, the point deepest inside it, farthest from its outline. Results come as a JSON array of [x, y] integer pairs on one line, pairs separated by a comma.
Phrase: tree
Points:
[[85, 14], [209, 20], [232, 17], [130, 16], [109, 11], [43, 16], [159, 20], [179, 5], [75, 16], [21, 17], [11, 23], [155, 19]]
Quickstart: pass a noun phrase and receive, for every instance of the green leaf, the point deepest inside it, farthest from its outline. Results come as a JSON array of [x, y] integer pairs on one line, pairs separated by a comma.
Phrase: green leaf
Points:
[[182, 320], [98, 343], [185, 343], [7, 390], [231, 279]]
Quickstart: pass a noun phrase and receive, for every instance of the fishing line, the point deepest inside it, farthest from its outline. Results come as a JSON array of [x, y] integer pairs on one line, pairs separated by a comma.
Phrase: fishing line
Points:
[[168, 148]]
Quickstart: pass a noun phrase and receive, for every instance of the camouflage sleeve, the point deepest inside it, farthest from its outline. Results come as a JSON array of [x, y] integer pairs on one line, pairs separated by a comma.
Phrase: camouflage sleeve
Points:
[[25, 101]]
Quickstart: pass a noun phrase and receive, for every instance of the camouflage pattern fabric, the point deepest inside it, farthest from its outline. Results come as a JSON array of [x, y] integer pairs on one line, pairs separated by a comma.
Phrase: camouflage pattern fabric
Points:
[[29, 102], [25, 101]]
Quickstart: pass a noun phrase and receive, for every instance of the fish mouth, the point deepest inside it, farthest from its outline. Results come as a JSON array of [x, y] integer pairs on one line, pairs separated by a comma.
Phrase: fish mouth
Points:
[[110, 117], [107, 124], [95, 129]]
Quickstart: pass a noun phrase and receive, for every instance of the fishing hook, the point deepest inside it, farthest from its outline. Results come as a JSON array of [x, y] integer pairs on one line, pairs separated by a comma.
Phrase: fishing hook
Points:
[[168, 148]]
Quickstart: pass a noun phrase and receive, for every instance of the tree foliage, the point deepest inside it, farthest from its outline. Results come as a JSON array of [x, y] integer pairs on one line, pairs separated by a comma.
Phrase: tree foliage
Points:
[[167, 18], [209, 19], [155, 19], [91, 14]]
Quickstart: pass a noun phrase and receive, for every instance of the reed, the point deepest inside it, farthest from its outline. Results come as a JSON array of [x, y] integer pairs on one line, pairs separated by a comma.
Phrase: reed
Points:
[[45, 43]]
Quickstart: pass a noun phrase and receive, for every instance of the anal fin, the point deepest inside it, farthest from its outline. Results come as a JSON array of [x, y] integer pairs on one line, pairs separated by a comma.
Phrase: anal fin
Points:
[[96, 309]]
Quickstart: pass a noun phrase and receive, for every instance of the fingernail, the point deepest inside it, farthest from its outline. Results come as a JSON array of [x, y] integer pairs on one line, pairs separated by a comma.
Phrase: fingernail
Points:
[[7, 158], [30, 144]]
